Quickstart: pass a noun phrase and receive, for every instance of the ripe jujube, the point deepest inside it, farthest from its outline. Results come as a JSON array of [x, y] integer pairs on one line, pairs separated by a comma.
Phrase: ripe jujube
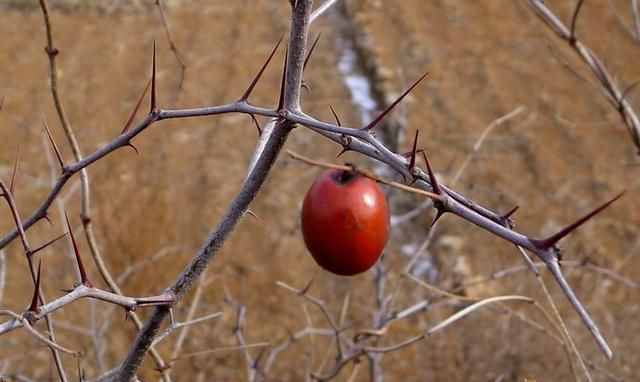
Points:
[[345, 222]]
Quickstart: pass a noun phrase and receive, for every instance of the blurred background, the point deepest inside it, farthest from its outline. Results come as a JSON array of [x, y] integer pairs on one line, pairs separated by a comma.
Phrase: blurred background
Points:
[[562, 150]]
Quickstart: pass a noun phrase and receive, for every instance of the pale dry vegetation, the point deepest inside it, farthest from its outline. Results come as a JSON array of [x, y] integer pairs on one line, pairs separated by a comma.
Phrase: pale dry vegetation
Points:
[[565, 151]]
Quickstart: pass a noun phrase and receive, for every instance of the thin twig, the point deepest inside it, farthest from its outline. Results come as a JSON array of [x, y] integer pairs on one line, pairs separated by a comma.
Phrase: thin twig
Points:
[[608, 85], [172, 45]]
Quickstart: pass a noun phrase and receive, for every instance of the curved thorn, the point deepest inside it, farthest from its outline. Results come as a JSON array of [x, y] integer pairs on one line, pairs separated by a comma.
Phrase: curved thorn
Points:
[[549, 242], [36, 291], [574, 20], [40, 248], [46, 217], [83, 274], [335, 115], [412, 161], [13, 174], [133, 147], [136, 108], [284, 75], [390, 107], [305, 87], [53, 143], [252, 214], [153, 79], [255, 80], [306, 60], [432, 177], [438, 216]]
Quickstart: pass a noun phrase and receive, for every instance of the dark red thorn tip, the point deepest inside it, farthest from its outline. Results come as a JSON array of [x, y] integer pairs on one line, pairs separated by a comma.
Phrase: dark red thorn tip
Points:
[[390, 107], [133, 147], [549, 242], [83, 274], [344, 150], [135, 109], [574, 20], [36, 291], [40, 248], [412, 161], [53, 143], [313, 46], [153, 78], [438, 216], [335, 115], [255, 80], [284, 75], [14, 173], [432, 176], [253, 118], [510, 213]]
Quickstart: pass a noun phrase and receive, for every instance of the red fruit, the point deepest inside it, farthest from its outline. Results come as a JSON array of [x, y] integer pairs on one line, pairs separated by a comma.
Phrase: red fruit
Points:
[[345, 222]]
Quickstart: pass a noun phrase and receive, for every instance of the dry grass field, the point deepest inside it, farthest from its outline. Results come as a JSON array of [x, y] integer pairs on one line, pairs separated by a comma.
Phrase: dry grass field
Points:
[[564, 152]]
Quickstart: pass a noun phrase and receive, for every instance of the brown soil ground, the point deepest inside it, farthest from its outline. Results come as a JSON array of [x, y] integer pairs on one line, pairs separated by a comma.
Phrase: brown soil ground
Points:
[[567, 152]]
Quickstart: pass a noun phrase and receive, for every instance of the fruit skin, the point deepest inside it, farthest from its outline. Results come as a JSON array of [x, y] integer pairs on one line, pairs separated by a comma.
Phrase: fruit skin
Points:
[[345, 222]]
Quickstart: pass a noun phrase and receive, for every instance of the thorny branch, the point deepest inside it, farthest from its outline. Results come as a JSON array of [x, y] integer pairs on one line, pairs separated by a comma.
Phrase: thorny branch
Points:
[[610, 87], [288, 114], [52, 53]]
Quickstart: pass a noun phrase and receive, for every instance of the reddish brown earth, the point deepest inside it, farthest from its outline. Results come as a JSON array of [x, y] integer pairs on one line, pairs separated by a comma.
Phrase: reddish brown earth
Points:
[[565, 153]]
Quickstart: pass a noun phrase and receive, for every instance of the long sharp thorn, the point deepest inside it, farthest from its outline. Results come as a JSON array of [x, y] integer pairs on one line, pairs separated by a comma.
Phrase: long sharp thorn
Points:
[[153, 79], [335, 115], [412, 161], [574, 21], [432, 177], [549, 242], [438, 216], [36, 291], [40, 248], [135, 109], [390, 107], [344, 150], [46, 217], [53, 144], [306, 60], [1, 102], [247, 93], [510, 213], [253, 118], [13, 174], [284, 75], [83, 274]]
